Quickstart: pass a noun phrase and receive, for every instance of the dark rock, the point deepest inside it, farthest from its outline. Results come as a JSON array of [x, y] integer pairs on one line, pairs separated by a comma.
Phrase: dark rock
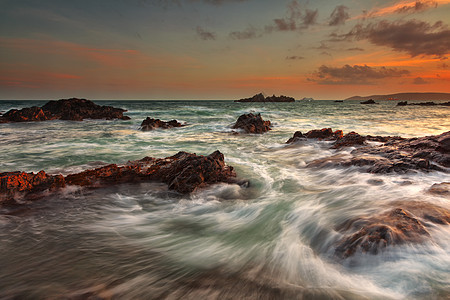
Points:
[[65, 109], [298, 136], [370, 101], [251, 123], [183, 172], [350, 139], [260, 98], [429, 103], [440, 188], [402, 103], [150, 124], [398, 226], [338, 101], [320, 134]]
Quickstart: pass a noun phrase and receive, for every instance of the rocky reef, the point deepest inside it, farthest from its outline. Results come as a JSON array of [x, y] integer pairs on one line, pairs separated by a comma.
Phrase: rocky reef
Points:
[[252, 123], [73, 109], [150, 124], [430, 103], [394, 154], [183, 173], [260, 98], [370, 101]]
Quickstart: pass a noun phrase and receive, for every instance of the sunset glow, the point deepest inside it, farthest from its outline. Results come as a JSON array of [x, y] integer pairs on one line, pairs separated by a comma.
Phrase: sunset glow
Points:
[[185, 49]]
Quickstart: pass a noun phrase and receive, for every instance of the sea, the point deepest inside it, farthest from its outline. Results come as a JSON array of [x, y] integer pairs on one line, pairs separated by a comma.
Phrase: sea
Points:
[[274, 239]]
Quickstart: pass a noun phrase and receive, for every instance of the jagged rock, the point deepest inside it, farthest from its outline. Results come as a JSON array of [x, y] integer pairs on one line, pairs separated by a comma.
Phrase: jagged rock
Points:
[[260, 98], [429, 103], [370, 101], [350, 139], [65, 109], [150, 124], [320, 134], [402, 103], [21, 184], [396, 227], [251, 123], [183, 172]]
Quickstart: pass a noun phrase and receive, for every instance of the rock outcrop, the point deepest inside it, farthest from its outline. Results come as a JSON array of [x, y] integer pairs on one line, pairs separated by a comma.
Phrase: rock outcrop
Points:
[[260, 98], [395, 154], [150, 124], [252, 123], [404, 224], [429, 103], [183, 172], [370, 101], [65, 109]]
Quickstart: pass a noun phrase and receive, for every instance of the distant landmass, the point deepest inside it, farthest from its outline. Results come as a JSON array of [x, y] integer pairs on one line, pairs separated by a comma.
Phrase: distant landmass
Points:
[[405, 96], [260, 98]]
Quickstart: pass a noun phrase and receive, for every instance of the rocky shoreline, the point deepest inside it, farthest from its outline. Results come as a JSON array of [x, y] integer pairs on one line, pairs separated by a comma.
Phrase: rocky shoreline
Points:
[[260, 98]]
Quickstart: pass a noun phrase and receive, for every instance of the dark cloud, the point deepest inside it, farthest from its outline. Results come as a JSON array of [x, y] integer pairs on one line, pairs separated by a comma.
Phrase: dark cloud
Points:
[[355, 49], [418, 6], [419, 80], [413, 36], [297, 18], [354, 74], [294, 57], [249, 33], [205, 35], [339, 15]]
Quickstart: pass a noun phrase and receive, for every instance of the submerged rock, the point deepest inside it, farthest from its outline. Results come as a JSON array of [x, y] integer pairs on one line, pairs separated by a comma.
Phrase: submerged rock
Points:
[[73, 109], [429, 103], [370, 101], [401, 225], [252, 123], [260, 98], [183, 172], [440, 188], [150, 124]]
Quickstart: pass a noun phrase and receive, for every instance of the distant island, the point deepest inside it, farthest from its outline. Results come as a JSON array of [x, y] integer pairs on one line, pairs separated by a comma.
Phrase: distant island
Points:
[[405, 96], [260, 98]]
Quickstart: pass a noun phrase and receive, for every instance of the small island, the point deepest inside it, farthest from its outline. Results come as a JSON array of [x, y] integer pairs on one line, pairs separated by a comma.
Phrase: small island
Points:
[[260, 98]]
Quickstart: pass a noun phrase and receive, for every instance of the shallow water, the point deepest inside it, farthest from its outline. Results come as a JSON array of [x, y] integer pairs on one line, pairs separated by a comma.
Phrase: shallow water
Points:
[[274, 239]]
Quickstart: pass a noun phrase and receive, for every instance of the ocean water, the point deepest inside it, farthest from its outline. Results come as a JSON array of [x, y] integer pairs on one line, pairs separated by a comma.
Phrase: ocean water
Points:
[[272, 240]]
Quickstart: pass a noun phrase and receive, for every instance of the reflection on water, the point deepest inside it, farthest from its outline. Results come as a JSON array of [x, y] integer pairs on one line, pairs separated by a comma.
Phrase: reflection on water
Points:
[[274, 239]]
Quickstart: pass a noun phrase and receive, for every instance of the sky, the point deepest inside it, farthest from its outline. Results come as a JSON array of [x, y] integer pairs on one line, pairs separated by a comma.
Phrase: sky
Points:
[[222, 49]]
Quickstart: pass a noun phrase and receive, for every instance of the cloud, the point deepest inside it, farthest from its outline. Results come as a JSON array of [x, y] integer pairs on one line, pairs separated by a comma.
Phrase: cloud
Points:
[[217, 2], [297, 18], [355, 49], [249, 33], [339, 15], [419, 80], [413, 36], [405, 7], [356, 74], [205, 35], [294, 57]]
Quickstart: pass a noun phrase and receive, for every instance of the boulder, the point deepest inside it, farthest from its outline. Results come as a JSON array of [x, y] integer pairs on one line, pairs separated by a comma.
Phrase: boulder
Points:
[[402, 103], [65, 109], [252, 123], [350, 139], [370, 101], [150, 124], [183, 172], [401, 225]]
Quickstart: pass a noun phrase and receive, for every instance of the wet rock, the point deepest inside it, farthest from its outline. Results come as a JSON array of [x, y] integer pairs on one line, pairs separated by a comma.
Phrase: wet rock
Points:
[[260, 98], [440, 188], [370, 101], [183, 172], [298, 136], [27, 185], [150, 124], [320, 134], [401, 225], [402, 103], [350, 139], [429, 103], [65, 109], [252, 123]]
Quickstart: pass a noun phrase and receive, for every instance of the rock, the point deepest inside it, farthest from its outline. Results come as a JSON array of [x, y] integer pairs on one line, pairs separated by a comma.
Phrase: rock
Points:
[[320, 134], [150, 124], [440, 188], [260, 98], [27, 185], [183, 172], [397, 226], [350, 139], [298, 136], [251, 123], [402, 103], [65, 109], [339, 101], [396, 154], [370, 101], [429, 103]]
